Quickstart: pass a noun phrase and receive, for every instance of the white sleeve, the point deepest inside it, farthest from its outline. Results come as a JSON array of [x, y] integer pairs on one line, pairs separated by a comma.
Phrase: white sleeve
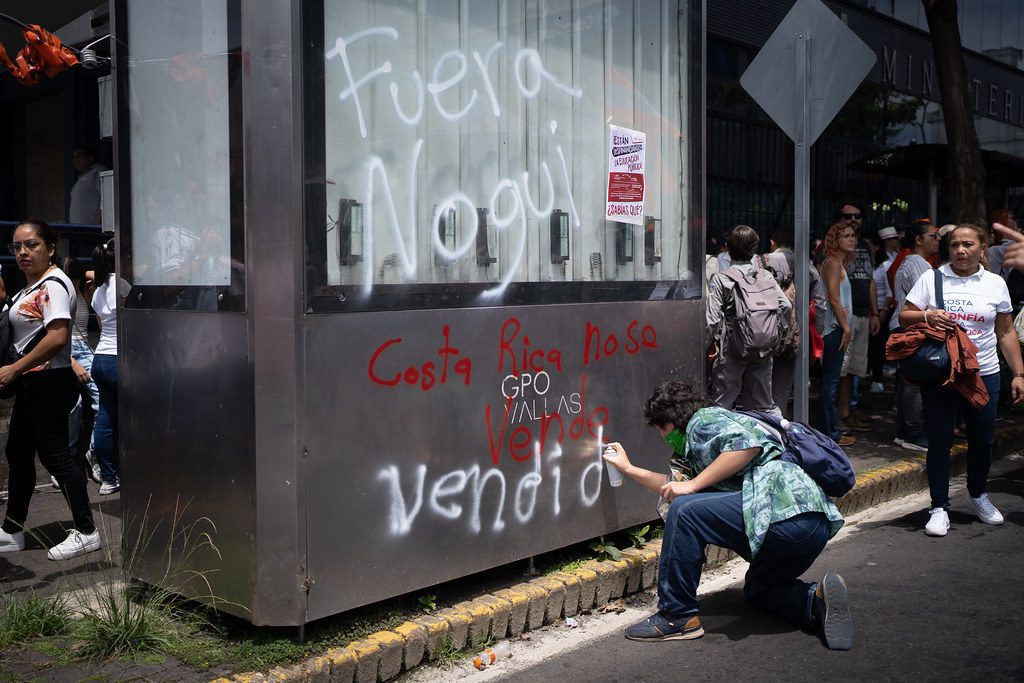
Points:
[[922, 294], [56, 303], [1003, 303]]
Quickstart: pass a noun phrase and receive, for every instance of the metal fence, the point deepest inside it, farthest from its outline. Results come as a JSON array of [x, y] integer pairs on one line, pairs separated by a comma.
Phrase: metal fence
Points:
[[750, 180]]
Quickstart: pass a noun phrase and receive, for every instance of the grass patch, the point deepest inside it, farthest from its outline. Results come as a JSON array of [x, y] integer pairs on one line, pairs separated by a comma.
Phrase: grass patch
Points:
[[447, 655], [30, 616]]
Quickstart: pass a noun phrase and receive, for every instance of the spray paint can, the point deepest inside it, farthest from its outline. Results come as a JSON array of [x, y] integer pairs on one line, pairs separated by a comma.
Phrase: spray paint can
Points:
[[614, 474], [490, 655]]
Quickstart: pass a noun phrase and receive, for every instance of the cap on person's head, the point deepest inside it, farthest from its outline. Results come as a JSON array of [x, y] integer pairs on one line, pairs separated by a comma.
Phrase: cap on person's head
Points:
[[888, 233], [946, 229]]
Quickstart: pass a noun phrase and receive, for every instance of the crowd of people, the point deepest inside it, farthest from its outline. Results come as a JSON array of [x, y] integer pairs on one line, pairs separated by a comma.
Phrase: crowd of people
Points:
[[57, 381], [869, 292]]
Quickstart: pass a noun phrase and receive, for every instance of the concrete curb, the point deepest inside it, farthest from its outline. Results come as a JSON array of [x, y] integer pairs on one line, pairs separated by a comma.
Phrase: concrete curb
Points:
[[548, 599]]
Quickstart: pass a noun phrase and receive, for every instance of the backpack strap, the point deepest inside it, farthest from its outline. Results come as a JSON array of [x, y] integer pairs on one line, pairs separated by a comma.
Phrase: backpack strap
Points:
[[40, 284], [939, 299]]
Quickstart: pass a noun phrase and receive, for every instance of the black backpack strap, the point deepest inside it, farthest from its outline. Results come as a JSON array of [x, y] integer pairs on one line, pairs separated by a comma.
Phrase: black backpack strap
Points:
[[940, 301]]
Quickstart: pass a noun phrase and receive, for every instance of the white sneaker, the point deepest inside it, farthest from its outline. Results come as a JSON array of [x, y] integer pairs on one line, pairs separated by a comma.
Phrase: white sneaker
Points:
[[938, 523], [74, 545], [12, 543], [107, 488], [53, 482], [985, 510], [877, 387], [888, 371], [94, 467]]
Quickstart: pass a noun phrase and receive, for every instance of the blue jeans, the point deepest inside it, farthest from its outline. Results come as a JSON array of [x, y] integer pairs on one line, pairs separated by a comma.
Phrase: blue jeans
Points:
[[789, 549], [831, 366], [82, 353], [104, 434], [940, 411]]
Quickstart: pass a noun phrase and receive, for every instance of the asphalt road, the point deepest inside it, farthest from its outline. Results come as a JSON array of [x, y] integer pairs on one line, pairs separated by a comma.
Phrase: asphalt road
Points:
[[924, 609]]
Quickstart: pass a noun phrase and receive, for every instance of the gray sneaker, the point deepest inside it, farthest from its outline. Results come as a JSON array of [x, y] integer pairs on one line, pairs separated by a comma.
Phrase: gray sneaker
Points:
[[107, 488]]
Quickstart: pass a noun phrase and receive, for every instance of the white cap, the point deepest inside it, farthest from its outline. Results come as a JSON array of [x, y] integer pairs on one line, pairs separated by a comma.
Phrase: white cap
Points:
[[946, 229], [888, 233]]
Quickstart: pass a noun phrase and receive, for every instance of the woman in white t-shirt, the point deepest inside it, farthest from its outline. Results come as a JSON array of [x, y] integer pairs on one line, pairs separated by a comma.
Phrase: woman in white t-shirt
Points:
[[40, 320], [978, 302], [109, 293]]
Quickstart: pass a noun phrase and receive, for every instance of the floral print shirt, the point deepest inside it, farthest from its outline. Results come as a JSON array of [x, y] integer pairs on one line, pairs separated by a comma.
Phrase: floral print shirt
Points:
[[34, 308], [773, 490]]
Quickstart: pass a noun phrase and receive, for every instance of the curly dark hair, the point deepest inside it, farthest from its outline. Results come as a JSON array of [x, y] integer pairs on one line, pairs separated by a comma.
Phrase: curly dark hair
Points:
[[674, 401]]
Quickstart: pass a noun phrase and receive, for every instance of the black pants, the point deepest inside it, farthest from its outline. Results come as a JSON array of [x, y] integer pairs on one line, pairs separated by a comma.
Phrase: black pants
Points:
[[876, 349], [39, 424]]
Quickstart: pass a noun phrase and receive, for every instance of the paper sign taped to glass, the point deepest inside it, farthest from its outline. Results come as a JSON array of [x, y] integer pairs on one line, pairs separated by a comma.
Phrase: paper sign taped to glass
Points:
[[626, 162]]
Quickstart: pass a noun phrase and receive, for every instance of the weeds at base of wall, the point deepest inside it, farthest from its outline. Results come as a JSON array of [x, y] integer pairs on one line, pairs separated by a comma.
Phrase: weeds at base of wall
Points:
[[149, 625]]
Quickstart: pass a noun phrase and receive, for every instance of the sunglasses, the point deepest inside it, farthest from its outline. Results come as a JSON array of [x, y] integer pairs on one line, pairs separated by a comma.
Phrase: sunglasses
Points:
[[851, 216], [931, 234]]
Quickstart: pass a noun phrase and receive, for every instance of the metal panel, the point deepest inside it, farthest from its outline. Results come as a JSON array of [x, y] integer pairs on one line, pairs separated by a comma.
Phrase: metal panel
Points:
[[273, 220], [429, 472], [186, 450]]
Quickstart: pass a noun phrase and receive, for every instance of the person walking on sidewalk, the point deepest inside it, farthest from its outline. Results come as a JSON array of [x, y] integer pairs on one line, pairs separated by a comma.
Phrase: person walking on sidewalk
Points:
[[731, 373], [109, 294], [47, 390], [840, 243], [922, 239], [729, 487], [977, 301]]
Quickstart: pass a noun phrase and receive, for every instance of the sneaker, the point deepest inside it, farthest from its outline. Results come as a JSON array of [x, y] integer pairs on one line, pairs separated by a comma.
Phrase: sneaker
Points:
[[53, 482], [106, 488], [94, 467], [877, 388], [657, 627], [916, 443], [985, 510], [846, 440], [832, 612], [888, 371], [938, 523], [74, 545], [12, 543]]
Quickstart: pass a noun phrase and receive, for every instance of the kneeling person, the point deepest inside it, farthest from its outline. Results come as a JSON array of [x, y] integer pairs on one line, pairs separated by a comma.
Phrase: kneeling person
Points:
[[729, 487]]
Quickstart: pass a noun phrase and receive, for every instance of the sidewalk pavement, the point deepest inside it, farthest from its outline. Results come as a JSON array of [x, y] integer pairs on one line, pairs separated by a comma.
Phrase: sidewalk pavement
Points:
[[884, 471]]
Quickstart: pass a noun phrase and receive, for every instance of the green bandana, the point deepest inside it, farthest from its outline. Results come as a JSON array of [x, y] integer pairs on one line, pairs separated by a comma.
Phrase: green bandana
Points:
[[676, 440]]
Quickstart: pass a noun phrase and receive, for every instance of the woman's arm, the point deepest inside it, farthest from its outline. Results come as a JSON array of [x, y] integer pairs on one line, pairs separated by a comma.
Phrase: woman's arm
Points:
[[1010, 346], [721, 468], [832, 273], [650, 480], [57, 333], [937, 318]]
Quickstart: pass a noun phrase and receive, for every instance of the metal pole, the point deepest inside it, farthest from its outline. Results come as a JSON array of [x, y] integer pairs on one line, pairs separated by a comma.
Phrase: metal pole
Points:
[[801, 220]]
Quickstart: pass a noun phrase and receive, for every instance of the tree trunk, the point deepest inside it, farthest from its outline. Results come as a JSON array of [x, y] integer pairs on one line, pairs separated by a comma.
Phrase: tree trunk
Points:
[[966, 167]]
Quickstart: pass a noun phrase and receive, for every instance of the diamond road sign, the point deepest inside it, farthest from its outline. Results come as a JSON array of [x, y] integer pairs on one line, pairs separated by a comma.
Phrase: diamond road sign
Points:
[[837, 61]]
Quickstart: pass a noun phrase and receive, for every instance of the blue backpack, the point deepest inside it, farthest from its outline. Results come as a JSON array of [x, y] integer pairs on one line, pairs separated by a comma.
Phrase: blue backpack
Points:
[[819, 456]]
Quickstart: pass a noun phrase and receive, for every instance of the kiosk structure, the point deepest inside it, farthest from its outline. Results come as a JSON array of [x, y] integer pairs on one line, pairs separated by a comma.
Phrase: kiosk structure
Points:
[[398, 268]]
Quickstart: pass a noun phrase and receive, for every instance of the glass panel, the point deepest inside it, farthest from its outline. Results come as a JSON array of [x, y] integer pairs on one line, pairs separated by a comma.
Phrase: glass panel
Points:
[[971, 28], [179, 143], [991, 21], [469, 142]]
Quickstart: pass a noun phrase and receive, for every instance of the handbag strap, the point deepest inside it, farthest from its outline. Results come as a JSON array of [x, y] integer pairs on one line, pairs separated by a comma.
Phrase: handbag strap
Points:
[[939, 299]]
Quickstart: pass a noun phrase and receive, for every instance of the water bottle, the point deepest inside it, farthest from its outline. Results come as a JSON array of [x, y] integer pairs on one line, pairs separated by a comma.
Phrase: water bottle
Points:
[[490, 655], [614, 475]]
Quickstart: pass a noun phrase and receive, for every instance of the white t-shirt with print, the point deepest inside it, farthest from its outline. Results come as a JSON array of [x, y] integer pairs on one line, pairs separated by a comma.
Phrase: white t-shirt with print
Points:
[[971, 301], [36, 307]]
